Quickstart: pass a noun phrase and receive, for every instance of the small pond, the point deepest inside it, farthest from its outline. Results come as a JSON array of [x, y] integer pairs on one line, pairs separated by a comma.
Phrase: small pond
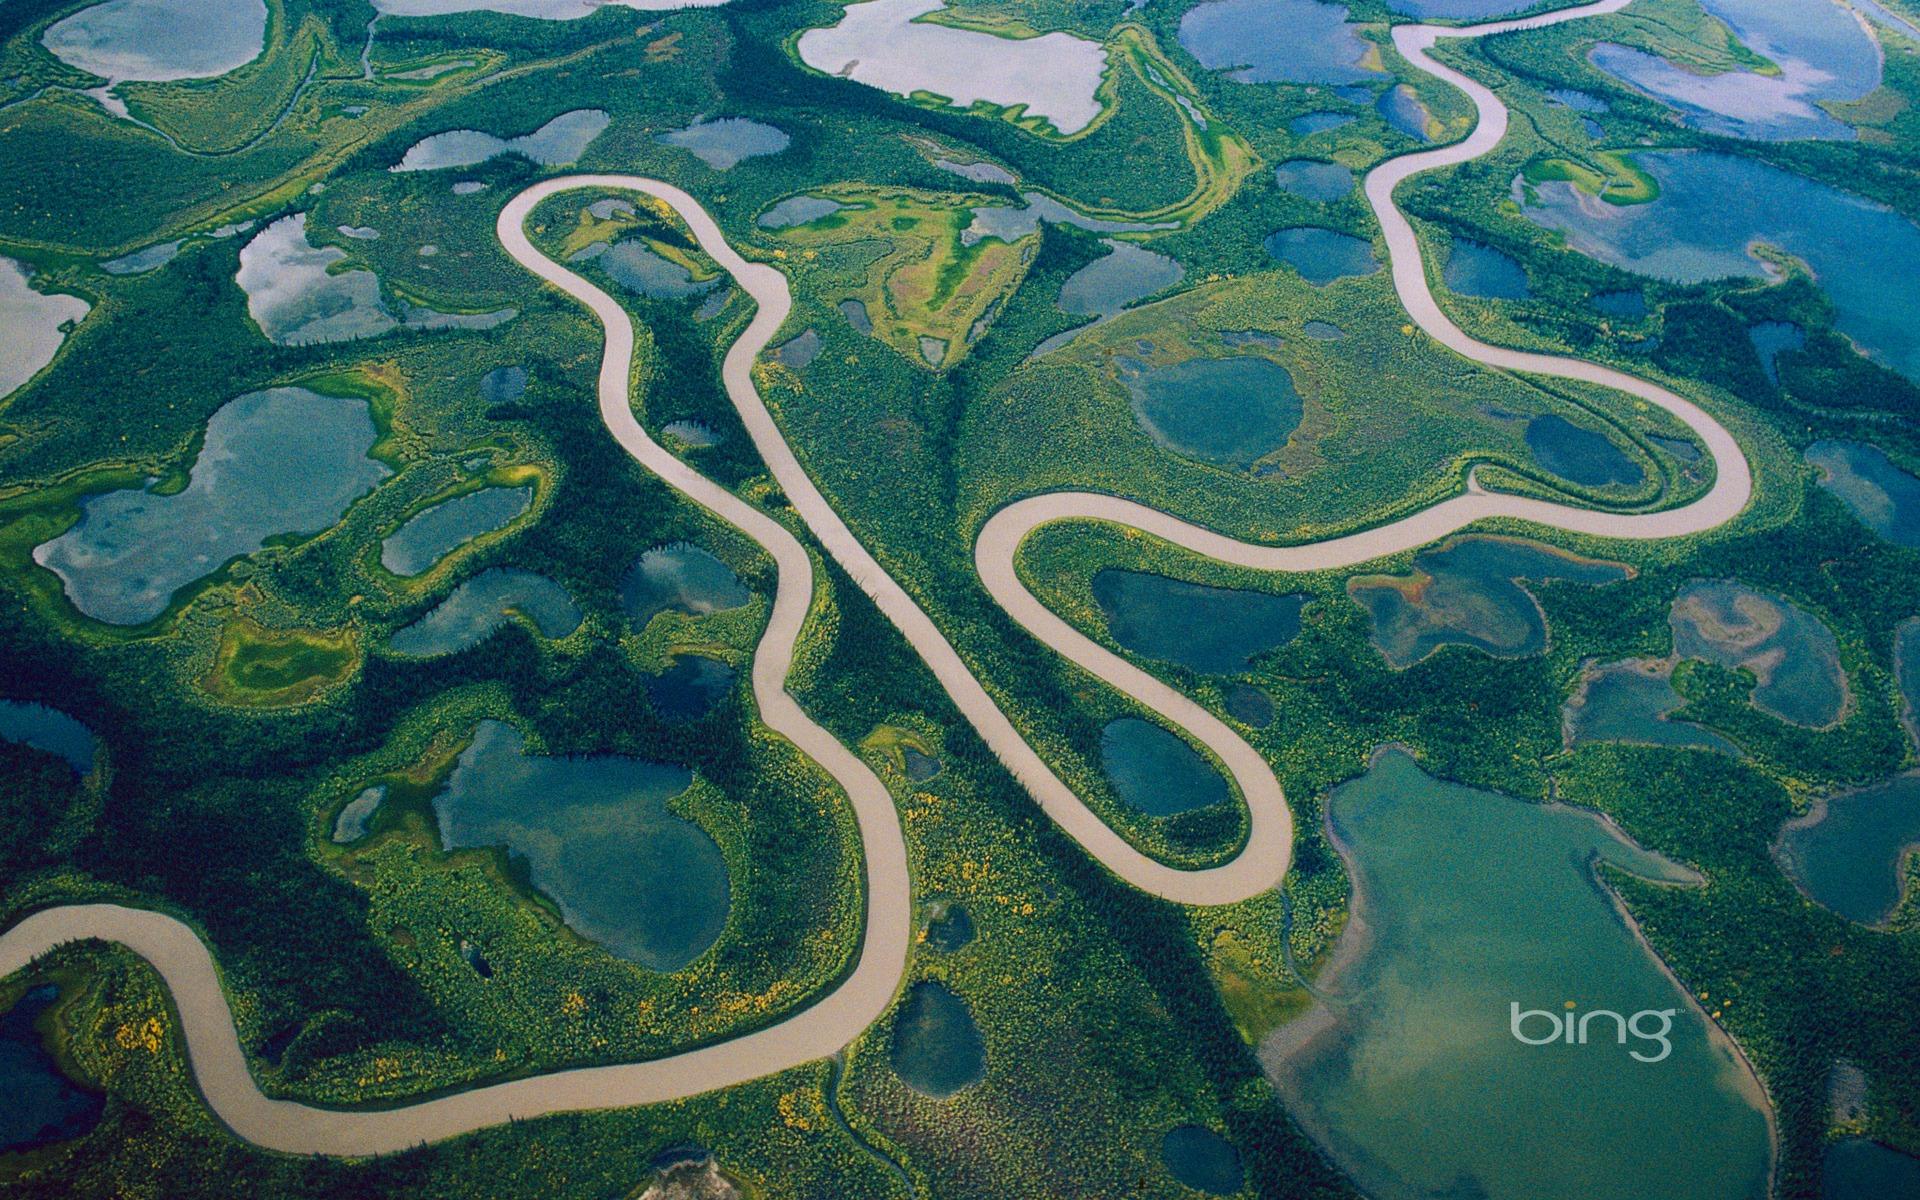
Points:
[[726, 143], [596, 837], [1226, 411], [1403, 110], [798, 210], [689, 688], [1770, 340], [558, 143], [1468, 593], [1126, 274], [1202, 1160], [1862, 1169], [1849, 853], [937, 1049], [485, 603], [1155, 771], [950, 929], [1580, 455], [43, 1106], [432, 534], [49, 730], [681, 578], [1322, 255], [356, 815], [1318, 122], [1312, 179], [637, 267], [1249, 705], [1792, 655], [1205, 628], [1884, 497], [1476, 270], [503, 385], [286, 461]]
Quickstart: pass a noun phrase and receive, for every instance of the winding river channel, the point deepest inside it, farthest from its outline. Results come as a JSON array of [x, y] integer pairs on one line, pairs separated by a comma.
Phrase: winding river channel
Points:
[[818, 1031]]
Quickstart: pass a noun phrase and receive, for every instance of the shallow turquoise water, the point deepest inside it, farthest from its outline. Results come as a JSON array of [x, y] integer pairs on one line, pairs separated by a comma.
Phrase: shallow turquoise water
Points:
[[1206, 628], [1792, 655], [1155, 771], [433, 533], [1226, 411], [1884, 497], [597, 837], [1579, 454], [485, 603], [1273, 41], [1467, 593], [285, 461], [682, 578], [1713, 207], [1322, 255], [937, 1049], [50, 730], [1471, 903]]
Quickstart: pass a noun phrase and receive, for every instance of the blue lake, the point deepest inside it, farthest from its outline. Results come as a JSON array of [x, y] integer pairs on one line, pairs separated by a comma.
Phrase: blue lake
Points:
[[1401, 108], [1318, 122], [160, 40], [798, 210], [1471, 906], [1794, 658], [558, 143], [485, 603], [1630, 702], [1225, 411], [1580, 455], [1713, 208], [1125, 274], [433, 533], [680, 578], [1823, 55], [1884, 497], [1205, 628], [281, 462], [43, 1106], [1468, 592], [689, 688], [1770, 340], [1156, 772], [50, 730], [937, 1049], [597, 838], [1322, 255], [1202, 1160], [1278, 41], [1476, 270], [726, 143], [1312, 179]]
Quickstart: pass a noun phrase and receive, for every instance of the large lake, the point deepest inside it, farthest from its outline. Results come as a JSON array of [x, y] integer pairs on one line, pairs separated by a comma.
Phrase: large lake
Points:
[[1468, 903], [36, 324], [1823, 52], [160, 40], [885, 44], [1713, 209], [1279, 41], [273, 463]]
